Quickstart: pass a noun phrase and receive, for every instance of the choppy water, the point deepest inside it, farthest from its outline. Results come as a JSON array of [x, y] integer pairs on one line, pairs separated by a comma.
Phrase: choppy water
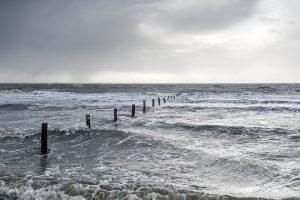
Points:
[[212, 142]]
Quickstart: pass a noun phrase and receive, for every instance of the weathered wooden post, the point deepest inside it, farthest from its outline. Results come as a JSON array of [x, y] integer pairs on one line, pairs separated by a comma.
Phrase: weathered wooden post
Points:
[[158, 100], [88, 120], [164, 100], [133, 110], [144, 106], [152, 102], [44, 137], [115, 114]]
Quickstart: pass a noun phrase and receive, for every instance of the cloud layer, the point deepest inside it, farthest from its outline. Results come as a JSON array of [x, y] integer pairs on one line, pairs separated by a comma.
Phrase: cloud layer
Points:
[[149, 41]]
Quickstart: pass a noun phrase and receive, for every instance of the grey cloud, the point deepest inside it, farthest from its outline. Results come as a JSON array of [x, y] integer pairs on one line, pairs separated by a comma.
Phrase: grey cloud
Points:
[[203, 16], [57, 27], [79, 38]]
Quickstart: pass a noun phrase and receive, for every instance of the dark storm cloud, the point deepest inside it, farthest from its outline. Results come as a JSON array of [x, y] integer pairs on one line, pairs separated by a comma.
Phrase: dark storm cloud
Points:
[[67, 28], [81, 37]]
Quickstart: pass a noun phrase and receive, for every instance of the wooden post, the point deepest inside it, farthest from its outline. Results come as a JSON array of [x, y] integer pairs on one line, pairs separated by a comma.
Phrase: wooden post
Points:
[[152, 102], [88, 120], [158, 100], [144, 106], [164, 100], [133, 110], [115, 114], [44, 137]]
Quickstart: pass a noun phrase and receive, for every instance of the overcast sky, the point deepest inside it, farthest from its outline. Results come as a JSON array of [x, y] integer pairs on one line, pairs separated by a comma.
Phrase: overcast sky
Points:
[[144, 41]]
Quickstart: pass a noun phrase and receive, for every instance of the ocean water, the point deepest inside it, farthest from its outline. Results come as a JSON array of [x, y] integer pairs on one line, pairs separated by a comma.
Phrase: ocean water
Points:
[[214, 141]]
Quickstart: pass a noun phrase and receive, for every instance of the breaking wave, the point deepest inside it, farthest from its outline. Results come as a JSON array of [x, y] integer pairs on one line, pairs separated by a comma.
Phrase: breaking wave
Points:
[[220, 129], [15, 107], [60, 189], [237, 108]]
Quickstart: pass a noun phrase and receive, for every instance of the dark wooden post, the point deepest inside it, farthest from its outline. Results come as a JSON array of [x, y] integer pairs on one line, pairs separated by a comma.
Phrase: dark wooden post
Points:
[[133, 110], [152, 102], [88, 120], [115, 114], [158, 100], [144, 106], [164, 100], [44, 137]]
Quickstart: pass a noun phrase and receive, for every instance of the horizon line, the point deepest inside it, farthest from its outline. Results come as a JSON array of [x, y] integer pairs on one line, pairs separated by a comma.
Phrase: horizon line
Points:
[[127, 83]]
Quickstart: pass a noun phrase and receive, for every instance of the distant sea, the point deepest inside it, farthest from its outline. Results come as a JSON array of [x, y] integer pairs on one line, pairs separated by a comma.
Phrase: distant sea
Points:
[[214, 141]]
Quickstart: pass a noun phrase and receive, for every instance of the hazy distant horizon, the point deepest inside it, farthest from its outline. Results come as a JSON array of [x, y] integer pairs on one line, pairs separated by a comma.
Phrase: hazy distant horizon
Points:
[[154, 83]]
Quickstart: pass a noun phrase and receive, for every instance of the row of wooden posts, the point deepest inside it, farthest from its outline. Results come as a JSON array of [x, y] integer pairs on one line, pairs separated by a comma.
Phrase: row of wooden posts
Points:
[[44, 134]]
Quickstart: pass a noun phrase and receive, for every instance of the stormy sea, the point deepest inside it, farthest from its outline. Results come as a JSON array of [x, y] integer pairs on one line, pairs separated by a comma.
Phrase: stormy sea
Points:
[[213, 141]]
